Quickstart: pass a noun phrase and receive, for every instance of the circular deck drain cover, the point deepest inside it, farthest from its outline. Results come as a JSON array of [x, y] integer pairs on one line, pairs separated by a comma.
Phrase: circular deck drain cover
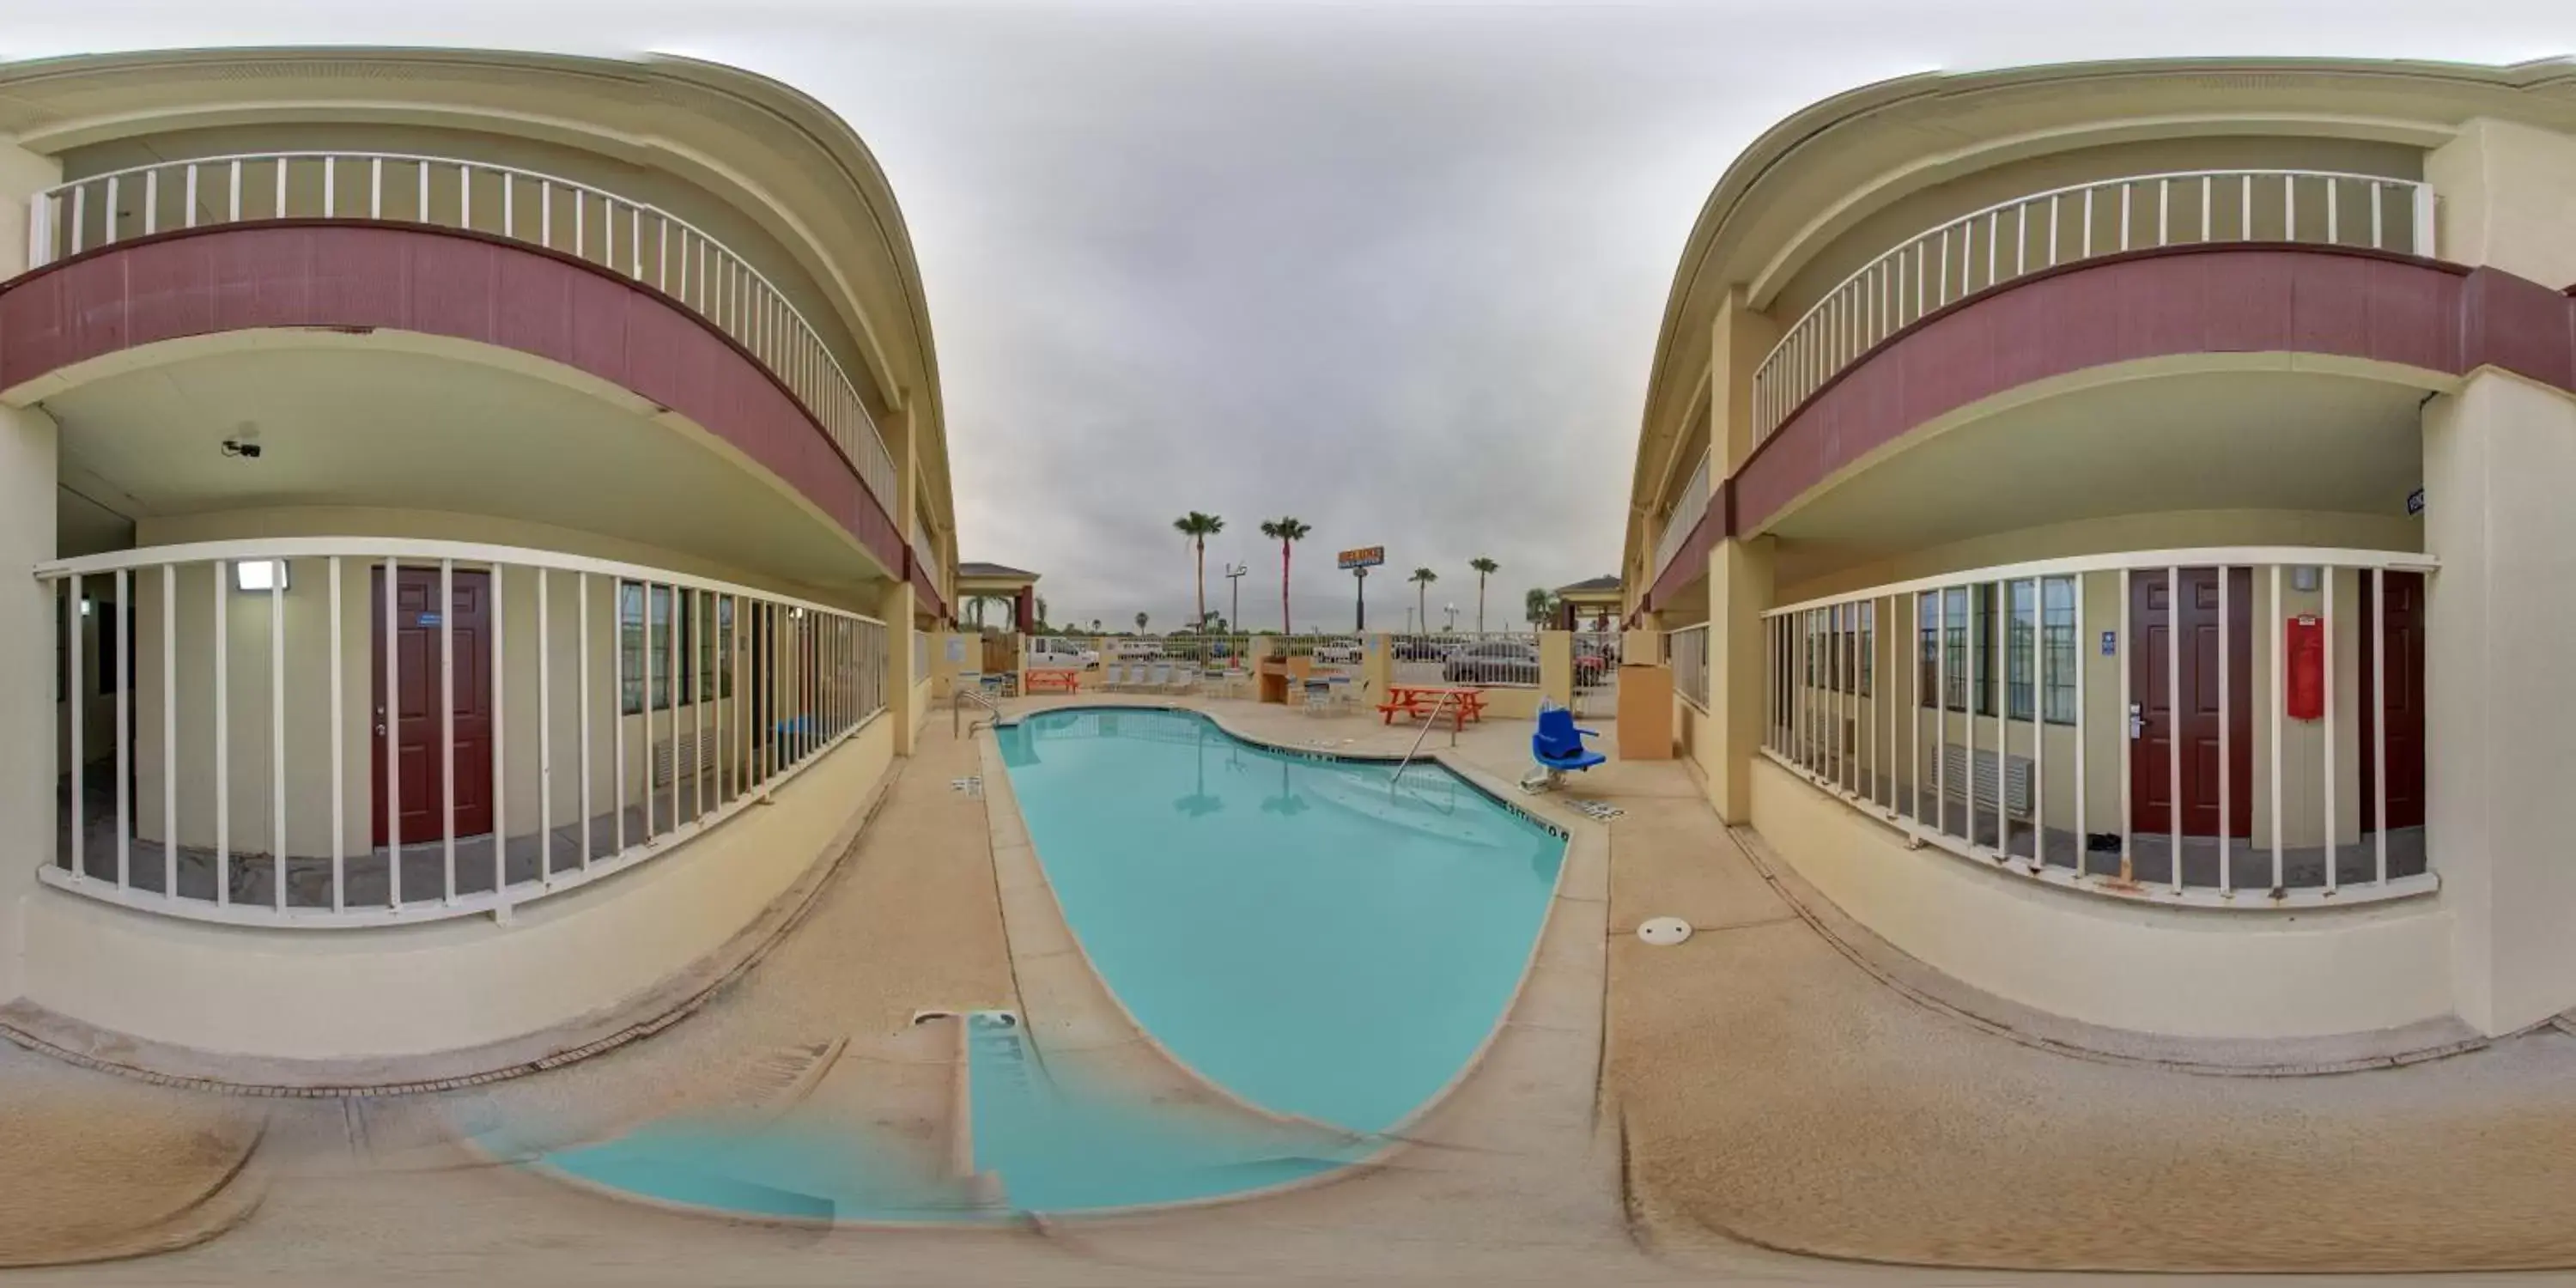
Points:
[[1664, 931]]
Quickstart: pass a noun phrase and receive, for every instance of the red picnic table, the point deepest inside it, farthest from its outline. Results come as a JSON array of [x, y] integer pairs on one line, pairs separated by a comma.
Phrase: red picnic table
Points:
[[1422, 701], [1053, 679]]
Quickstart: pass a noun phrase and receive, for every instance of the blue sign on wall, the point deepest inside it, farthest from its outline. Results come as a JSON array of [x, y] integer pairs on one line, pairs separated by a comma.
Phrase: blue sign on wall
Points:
[[429, 619], [2110, 643], [2415, 501]]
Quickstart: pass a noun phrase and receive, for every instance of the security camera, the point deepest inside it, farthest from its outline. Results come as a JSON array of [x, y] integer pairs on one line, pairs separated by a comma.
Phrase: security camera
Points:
[[236, 447]]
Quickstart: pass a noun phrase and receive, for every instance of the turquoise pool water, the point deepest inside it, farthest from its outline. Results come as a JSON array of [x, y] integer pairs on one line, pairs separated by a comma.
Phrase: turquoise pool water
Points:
[[1311, 936], [1290, 928]]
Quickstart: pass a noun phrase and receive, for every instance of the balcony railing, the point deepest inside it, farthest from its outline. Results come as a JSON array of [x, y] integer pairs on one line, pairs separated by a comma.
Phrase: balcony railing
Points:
[[1684, 517], [223, 739], [640, 242], [1987, 248], [1972, 712]]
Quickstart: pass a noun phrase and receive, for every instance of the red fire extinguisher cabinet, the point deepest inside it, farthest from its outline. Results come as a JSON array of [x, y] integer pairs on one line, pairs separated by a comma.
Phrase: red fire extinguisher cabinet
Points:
[[2305, 650]]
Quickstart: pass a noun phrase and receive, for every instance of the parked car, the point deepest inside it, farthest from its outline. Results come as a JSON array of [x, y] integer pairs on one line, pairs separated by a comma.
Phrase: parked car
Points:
[[1594, 662], [1338, 653], [1492, 662], [1062, 652], [1420, 648]]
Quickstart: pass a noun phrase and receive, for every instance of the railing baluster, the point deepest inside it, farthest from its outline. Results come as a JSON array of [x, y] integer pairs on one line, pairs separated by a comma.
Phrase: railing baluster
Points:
[[375, 188], [2326, 615], [170, 730], [2376, 624], [389, 728], [2226, 721], [278, 197], [447, 726], [223, 743], [499, 736], [581, 687], [277, 727], [124, 619], [151, 201], [330, 187], [188, 193], [339, 761], [546, 730], [2083, 785], [2129, 723], [617, 656], [2174, 608], [2272, 619], [75, 681], [107, 235]]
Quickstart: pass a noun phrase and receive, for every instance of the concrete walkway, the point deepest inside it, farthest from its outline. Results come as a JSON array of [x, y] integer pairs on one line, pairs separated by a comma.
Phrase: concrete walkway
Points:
[[1759, 1088], [96, 1168]]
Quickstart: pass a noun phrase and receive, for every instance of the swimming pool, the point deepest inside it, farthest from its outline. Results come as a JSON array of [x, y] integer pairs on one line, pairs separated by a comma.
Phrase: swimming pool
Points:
[[1308, 933], [1311, 935]]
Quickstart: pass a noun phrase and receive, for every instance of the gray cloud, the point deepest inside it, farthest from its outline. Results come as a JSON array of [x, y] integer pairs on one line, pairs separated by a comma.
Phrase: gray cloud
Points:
[[1396, 270]]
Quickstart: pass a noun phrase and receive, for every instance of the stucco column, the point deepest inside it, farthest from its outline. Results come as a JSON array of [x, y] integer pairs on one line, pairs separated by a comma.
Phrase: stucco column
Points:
[[2507, 195], [27, 710], [2498, 732], [1377, 667], [1739, 589], [1556, 667], [902, 707], [1739, 339]]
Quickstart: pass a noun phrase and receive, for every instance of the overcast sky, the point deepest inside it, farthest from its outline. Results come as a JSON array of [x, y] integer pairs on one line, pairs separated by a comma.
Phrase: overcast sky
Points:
[[1394, 269]]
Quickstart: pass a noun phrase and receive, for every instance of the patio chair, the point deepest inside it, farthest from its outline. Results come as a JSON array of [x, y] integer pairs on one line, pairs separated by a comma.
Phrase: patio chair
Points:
[[1318, 691], [1557, 747], [1114, 678], [1161, 679], [1344, 693]]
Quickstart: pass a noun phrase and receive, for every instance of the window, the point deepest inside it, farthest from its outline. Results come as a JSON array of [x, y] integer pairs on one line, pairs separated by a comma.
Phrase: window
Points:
[[1958, 613], [2057, 635], [713, 669]]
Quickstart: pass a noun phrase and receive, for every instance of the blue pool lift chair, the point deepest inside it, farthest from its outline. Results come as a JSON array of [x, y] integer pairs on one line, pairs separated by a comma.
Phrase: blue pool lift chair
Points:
[[1557, 746]]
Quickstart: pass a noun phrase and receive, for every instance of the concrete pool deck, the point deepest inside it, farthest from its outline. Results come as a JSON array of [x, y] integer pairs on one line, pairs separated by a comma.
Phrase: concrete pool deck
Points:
[[1757, 1087]]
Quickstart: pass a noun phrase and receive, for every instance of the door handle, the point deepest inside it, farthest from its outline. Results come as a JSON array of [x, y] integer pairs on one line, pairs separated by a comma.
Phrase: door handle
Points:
[[2137, 721]]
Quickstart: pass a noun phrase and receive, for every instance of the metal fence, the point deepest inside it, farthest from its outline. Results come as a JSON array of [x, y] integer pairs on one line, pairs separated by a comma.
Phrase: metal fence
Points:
[[641, 242], [1596, 672], [229, 750], [1986, 248], [1972, 710], [1493, 659]]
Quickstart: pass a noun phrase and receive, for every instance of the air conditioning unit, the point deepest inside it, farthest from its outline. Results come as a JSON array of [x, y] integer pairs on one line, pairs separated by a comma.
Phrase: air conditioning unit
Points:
[[1956, 779], [676, 759]]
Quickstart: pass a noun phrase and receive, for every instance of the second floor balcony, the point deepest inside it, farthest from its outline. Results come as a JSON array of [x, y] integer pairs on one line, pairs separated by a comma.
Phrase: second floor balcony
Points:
[[2025, 236], [633, 240]]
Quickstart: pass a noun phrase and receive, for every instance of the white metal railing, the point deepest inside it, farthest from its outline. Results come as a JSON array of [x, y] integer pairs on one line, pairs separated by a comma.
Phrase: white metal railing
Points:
[[1683, 518], [556, 719], [1970, 711], [2004, 241], [1686, 651], [636, 240]]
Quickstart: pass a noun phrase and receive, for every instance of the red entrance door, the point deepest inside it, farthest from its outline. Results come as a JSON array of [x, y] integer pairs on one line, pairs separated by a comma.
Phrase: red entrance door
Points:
[[2191, 714], [2397, 634], [418, 735]]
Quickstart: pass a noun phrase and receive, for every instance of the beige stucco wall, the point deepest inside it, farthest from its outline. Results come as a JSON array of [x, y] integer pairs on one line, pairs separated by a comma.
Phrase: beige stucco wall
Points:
[[2125, 965], [2497, 459], [2508, 199], [443, 985]]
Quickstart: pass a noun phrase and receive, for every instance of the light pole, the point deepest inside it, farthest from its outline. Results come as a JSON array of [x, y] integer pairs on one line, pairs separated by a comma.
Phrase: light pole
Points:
[[1452, 610], [1234, 581], [1359, 616]]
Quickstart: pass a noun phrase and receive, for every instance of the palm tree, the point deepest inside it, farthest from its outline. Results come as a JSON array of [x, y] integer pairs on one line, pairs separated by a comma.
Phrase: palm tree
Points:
[[1140, 623], [1039, 625], [1285, 531], [1538, 605], [1095, 626], [1484, 567], [1422, 579], [1198, 528]]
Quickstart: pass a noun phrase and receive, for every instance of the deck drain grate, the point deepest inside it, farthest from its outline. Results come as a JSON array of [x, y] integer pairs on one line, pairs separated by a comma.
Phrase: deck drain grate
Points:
[[1597, 810], [971, 785]]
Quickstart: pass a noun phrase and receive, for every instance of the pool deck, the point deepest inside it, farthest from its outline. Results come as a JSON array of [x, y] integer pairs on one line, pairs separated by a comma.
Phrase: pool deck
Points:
[[1691, 1114]]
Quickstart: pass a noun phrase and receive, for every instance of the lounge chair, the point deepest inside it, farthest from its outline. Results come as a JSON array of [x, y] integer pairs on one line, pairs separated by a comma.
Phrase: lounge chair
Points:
[[1161, 679], [1114, 678], [1557, 747]]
